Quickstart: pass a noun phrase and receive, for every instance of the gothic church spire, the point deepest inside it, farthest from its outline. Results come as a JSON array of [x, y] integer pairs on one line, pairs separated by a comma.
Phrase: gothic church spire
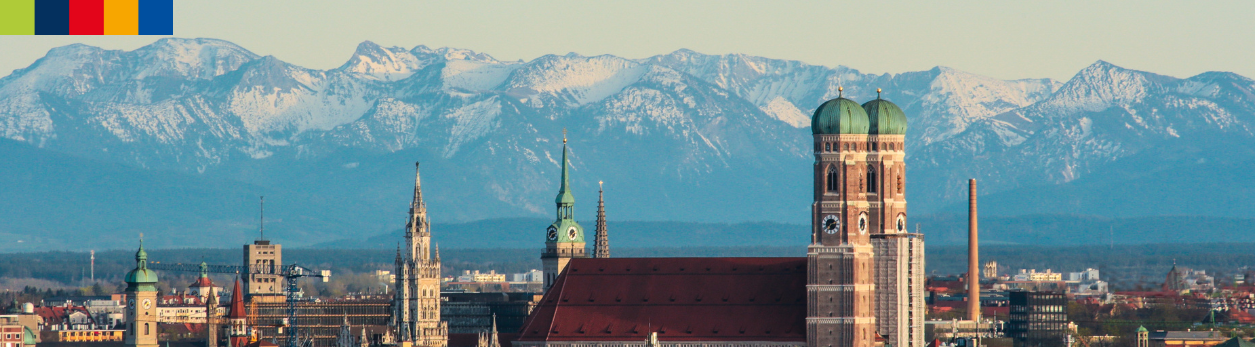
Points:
[[601, 247]]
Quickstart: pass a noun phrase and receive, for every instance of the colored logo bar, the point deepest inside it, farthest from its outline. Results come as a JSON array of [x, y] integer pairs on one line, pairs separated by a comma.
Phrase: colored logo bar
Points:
[[86, 17]]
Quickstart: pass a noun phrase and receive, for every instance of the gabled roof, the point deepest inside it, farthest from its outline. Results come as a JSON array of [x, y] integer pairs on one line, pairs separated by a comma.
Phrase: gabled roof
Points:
[[202, 282], [59, 314], [683, 299]]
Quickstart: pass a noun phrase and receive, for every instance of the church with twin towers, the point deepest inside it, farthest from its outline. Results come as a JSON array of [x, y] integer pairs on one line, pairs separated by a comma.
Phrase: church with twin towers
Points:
[[860, 283]]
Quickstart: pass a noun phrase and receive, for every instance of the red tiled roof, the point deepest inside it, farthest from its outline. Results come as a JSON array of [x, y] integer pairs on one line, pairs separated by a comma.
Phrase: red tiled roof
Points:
[[683, 299], [472, 339], [58, 314], [202, 282]]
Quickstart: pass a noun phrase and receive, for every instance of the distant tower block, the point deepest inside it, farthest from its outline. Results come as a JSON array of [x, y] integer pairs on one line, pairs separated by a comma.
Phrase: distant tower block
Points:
[[265, 284]]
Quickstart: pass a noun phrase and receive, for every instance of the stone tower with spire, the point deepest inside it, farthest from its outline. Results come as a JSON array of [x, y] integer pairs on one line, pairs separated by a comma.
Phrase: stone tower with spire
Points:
[[564, 239], [489, 338], [237, 319], [141, 302], [416, 302], [211, 318], [601, 247]]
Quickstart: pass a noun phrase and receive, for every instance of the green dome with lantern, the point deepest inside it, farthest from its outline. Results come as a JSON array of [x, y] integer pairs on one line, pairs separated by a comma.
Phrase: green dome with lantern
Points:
[[884, 117], [839, 116], [141, 278]]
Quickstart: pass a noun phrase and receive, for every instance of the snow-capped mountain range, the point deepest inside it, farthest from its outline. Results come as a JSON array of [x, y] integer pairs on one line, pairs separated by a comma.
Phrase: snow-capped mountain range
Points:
[[680, 136]]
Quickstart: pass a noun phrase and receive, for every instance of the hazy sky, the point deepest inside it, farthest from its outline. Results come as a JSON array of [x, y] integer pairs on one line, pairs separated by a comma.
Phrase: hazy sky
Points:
[[1003, 39]]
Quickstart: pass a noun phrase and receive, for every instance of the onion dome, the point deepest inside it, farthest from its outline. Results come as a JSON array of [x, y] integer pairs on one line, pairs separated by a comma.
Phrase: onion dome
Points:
[[141, 278], [839, 116], [884, 117]]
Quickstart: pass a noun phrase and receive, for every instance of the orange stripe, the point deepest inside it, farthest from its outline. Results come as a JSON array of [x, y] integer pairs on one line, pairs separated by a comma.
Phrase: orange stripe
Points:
[[121, 17]]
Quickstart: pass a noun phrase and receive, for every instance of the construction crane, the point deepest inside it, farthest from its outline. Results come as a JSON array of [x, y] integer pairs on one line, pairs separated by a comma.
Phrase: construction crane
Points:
[[290, 273]]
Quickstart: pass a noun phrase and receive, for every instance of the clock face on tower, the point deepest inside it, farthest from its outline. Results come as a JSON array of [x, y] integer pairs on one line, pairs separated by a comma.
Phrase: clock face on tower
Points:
[[552, 233], [831, 224], [862, 223], [571, 233], [901, 223], [147, 304]]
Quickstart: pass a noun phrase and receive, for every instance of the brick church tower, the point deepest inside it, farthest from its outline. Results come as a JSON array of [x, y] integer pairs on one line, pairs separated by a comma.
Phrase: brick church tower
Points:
[[840, 286], [899, 254]]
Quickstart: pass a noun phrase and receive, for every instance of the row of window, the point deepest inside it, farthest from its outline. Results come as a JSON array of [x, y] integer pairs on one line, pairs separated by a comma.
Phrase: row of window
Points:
[[834, 183], [875, 146], [87, 333]]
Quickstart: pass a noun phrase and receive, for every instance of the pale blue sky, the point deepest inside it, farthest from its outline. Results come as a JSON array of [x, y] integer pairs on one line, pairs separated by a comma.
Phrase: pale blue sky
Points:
[[1003, 39]]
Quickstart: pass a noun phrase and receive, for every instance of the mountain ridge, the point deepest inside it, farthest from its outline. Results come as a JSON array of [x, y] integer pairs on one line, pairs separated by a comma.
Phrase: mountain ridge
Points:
[[683, 136]]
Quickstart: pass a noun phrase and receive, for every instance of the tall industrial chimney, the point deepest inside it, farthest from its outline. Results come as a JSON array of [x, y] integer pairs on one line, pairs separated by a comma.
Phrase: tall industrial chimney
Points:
[[973, 256]]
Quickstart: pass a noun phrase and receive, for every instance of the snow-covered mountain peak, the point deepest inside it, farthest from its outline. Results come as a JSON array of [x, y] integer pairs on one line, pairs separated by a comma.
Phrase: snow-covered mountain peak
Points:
[[383, 63], [198, 58], [450, 53], [1102, 85], [574, 80]]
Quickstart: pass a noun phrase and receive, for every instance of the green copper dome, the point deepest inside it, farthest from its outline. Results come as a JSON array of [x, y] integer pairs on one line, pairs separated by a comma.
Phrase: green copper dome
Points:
[[565, 230], [839, 116], [885, 118], [141, 278]]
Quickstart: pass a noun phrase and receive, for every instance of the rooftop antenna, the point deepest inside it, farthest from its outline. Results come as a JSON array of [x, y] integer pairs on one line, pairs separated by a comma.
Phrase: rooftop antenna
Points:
[[261, 225]]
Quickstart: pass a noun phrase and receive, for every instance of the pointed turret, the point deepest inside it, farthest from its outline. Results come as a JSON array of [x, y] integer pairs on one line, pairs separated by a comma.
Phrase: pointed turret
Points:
[[601, 247], [417, 204], [564, 199], [211, 319], [492, 340], [345, 339], [237, 303], [237, 318], [489, 338]]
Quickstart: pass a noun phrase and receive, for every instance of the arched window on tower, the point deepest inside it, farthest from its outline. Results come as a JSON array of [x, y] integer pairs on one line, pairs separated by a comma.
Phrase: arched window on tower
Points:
[[871, 179], [832, 180]]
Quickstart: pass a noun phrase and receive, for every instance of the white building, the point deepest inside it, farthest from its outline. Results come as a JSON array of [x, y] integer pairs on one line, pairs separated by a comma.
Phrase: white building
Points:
[[530, 276]]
